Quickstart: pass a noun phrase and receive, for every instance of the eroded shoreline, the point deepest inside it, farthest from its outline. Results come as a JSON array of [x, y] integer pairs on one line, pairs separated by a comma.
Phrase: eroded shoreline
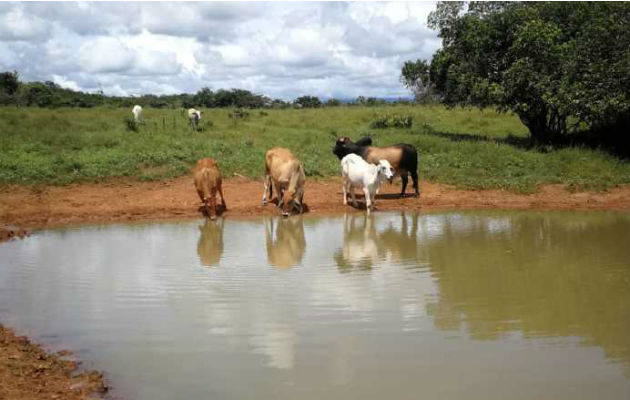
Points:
[[28, 372]]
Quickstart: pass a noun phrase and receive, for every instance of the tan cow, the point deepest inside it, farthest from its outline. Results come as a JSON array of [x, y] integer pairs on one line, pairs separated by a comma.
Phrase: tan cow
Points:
[[208, 183], [284, 172]]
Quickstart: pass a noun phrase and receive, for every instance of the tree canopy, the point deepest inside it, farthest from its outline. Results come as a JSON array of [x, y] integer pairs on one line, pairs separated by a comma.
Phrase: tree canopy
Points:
[[561, 67]]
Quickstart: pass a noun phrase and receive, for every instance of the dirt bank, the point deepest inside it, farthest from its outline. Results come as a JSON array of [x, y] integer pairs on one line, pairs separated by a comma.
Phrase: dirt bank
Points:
[[28, 372], [35, 207]]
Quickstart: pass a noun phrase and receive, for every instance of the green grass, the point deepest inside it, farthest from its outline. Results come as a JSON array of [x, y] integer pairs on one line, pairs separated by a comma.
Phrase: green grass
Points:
[[466, 148]]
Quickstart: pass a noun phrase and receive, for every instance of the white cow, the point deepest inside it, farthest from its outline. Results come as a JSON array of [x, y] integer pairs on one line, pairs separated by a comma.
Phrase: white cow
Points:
[[137, 113], [357, 172], [193, 117]]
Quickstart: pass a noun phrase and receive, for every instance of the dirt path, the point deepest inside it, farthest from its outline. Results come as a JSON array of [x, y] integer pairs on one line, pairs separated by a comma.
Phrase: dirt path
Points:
[[47, 206]]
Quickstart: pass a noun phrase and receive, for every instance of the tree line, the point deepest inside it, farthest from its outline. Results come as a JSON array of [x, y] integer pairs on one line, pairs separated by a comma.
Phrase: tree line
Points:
[[49, 94], [563, 68]]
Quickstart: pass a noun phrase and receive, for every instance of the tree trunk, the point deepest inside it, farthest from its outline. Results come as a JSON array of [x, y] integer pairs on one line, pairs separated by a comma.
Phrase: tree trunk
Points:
[[537, 125], [546, 126]]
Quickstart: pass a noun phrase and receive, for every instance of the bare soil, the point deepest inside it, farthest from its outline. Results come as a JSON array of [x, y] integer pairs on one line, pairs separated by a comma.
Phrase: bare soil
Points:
[[27, 372], [34, 207]]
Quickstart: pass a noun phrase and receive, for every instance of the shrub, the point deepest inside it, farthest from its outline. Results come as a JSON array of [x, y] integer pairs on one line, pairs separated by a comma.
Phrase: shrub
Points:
[[131, 124], [392, 121], [239, 113]]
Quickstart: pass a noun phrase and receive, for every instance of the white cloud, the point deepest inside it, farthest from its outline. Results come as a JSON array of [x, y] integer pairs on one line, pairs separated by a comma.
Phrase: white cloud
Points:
[[278, 49], [106, 54], [16, 24], [65, 83]]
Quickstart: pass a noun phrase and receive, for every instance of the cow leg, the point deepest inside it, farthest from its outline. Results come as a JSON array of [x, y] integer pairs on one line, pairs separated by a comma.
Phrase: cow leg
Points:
[[280, 194], [267, 187], [414, 177], [222, 199], [404, 175], [345, 192], [368, 199], [213, 206], [354, 199]]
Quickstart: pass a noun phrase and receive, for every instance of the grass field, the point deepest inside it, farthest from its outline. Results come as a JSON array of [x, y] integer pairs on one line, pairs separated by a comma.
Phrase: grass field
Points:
[[467, 148]]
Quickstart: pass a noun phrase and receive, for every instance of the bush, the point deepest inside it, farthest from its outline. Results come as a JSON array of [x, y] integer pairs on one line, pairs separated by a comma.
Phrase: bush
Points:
[[239, 113], [392, 121], [131, 124]]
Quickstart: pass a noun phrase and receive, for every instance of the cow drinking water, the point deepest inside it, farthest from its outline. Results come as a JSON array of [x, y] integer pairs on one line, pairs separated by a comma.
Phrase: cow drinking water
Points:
[[208, 183], [284, 172]]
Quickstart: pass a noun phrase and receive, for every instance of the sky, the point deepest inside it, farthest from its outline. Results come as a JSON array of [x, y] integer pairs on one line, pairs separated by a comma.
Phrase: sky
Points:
[[282, 50]]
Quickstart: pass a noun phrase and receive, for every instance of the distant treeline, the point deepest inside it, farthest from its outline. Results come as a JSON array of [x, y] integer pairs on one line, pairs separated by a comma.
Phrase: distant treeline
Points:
[[49, 94]]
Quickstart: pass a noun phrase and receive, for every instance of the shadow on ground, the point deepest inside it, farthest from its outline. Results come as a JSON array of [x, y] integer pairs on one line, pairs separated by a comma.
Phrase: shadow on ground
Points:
[[589, 139]]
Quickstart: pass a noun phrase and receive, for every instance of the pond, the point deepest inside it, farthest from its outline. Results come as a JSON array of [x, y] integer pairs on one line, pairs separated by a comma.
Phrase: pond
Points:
[[475, 305]]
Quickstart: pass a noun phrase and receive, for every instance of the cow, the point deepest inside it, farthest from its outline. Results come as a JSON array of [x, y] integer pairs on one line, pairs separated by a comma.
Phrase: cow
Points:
[[137, 114], [194, 116], [284, 172], [208, 179], [358, 173], [403, 157]]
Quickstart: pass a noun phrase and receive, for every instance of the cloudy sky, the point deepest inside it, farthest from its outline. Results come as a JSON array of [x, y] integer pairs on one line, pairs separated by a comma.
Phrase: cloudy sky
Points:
[[282, 50]]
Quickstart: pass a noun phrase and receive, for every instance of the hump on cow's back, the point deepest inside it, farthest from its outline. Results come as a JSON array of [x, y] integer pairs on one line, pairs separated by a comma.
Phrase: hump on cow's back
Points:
[[205, 163], [280, 152]]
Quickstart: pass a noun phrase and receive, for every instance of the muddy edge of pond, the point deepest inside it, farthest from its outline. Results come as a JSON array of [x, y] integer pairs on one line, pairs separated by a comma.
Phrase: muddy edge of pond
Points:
[[35, 207], [28, 372]]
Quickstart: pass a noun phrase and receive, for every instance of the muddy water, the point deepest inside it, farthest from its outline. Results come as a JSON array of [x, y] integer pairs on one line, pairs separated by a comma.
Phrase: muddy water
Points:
[[397, 306]]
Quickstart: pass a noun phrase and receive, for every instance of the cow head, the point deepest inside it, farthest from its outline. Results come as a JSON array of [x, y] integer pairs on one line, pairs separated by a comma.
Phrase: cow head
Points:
[[385, 170], [342, 147], [292, 201], [345, 146]]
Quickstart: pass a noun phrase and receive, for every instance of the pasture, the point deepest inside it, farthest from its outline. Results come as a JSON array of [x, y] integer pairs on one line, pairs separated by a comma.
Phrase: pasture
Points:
[[468, 148]]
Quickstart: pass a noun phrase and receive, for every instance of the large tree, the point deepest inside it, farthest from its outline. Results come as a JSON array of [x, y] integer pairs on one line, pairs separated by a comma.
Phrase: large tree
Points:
[[561, 67]]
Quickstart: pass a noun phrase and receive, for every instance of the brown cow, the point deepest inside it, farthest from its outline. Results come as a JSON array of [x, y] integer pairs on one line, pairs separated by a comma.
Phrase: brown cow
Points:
[[284, 172], [208, 183], [402, 157]]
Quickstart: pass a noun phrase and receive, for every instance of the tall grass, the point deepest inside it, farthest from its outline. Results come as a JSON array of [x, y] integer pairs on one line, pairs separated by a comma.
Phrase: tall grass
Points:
[[466, 148]]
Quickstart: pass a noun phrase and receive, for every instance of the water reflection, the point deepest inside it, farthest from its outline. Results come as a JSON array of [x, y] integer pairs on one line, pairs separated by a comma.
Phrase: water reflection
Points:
[[364, 244], [360, 247], [210, 243], [533, 305], [544, 275], [285, 247]]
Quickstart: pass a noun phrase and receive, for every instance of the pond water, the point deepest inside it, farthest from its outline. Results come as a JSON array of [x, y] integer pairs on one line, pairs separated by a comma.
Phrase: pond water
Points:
[[475, 305]]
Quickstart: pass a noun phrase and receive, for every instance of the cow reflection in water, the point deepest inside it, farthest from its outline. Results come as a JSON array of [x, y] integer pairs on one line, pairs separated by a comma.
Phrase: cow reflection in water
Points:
[[210, 244], [363, 244], [286, 248]]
